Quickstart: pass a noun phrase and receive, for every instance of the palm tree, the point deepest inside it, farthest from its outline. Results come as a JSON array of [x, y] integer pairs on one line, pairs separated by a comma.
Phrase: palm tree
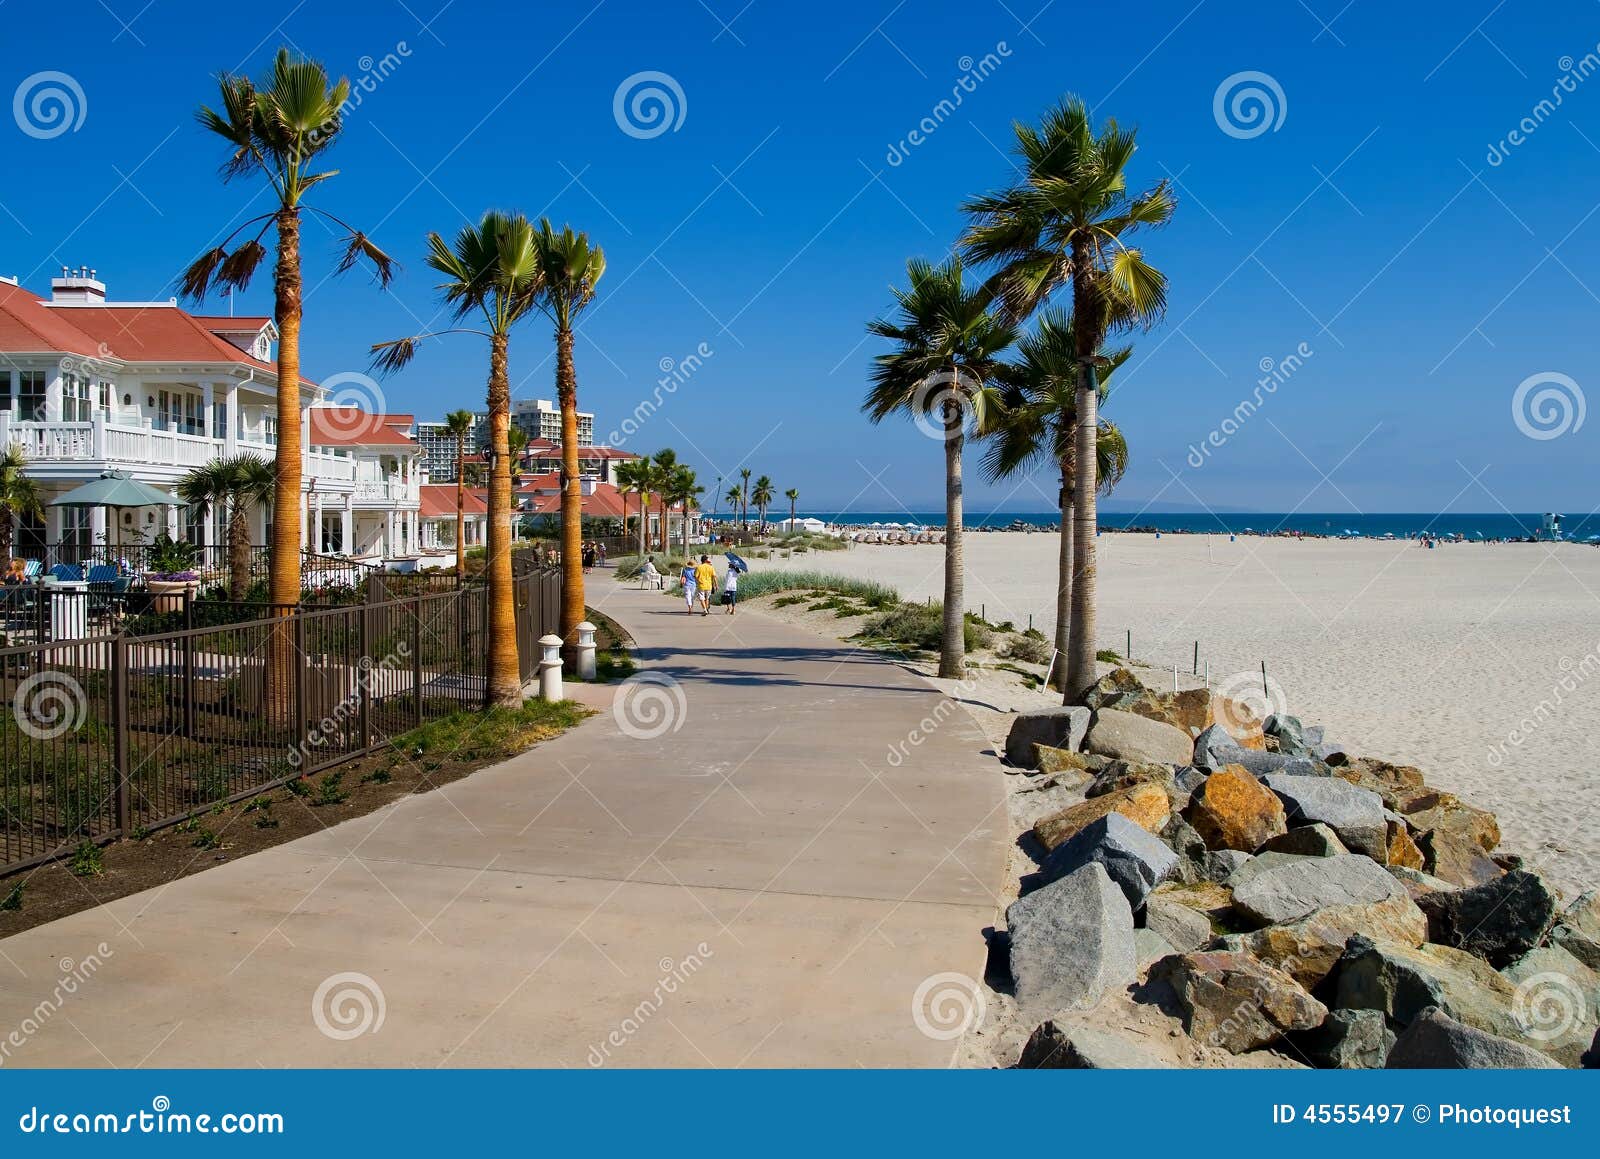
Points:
[[948, 350], [744, 496], [459, 423], [569, 269], [762, 497], [19, 495], [630, 475], [492, 270], [733, 497], [1035, 423], [277, 130], [793, 496], [683, 489], [663, 466], [1065, 222], [239, 483]]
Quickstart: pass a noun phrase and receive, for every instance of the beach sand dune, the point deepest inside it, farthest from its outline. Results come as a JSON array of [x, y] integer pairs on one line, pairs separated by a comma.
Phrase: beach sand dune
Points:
[[1479, 664]]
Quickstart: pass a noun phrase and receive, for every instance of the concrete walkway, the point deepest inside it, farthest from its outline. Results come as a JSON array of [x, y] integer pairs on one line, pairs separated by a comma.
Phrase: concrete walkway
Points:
[[757, 884]]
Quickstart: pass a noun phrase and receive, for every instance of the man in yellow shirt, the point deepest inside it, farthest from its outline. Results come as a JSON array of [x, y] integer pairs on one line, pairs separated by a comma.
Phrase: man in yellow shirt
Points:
[[705, 578]]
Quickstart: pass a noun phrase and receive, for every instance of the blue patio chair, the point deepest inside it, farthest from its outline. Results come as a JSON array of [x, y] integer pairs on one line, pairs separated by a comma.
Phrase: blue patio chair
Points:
[[31, 569], [103, 573], [66, 571]]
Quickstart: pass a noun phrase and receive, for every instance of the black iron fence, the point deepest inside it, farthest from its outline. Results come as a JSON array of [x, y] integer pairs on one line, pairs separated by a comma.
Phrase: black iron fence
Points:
[[115, 734]]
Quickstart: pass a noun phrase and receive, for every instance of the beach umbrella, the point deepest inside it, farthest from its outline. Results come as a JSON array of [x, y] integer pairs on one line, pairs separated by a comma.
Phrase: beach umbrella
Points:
[[116, 491]]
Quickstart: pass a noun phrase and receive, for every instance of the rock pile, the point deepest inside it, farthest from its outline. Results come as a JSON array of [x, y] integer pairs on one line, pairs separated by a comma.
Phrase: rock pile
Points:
[[1280, 895]]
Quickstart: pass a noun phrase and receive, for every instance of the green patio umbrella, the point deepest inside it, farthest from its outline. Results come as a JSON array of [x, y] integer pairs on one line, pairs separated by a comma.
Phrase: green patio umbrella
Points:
[[115, 491]]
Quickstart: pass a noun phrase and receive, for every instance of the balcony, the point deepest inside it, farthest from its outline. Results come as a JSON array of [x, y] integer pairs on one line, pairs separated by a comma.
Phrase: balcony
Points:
[[78, 450]]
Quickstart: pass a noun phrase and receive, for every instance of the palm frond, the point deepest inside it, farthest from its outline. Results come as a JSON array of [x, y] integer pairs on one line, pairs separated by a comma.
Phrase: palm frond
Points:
[[389, 357], [360, 247]]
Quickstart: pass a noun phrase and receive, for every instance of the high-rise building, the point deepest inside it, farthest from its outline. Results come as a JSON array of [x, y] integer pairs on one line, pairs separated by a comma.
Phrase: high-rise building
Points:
[[541, 419], [440, 446]]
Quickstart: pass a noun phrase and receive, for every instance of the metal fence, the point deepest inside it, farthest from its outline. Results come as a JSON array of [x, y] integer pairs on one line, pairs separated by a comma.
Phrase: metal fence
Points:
[[116, 734]]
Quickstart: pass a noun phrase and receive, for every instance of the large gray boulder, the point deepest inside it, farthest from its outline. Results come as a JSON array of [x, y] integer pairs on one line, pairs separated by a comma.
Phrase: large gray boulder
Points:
[[1132, 856], [1061, 727], [1127, 736], [1071, 942], [1214, 748], [1347, 1040], [1499, 921], [1578, 931], [1355, 814], [1307, 841], [1403, 981], [1435, 1041], [1557, 1001], [1290, 734], [1059, 1046], [1182, 927], [1285, 893]]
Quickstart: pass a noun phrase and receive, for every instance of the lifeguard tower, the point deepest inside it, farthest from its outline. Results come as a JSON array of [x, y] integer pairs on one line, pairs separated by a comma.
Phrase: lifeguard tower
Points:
[[1551, 528]]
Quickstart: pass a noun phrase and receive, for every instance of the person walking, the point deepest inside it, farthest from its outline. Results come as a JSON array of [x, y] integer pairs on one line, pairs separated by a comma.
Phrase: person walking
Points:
[[588, 558], [730, 588], [705, 578], [600, 553], [688, 581]]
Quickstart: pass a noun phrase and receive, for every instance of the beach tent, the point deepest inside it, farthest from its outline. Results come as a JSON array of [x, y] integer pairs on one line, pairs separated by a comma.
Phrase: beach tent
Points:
[[805, 523]]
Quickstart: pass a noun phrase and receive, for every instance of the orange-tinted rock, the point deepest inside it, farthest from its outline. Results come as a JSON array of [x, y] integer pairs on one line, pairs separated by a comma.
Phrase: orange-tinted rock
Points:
[[1196, 709], [1455, 859], [1145, 804], [1388, 781], [1431, 809], [1403, 850], [1233, 810], [1308, 949]]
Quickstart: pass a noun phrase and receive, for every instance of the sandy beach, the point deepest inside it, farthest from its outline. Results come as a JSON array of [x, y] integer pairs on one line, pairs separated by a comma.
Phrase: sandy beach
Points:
[[1476, 663]]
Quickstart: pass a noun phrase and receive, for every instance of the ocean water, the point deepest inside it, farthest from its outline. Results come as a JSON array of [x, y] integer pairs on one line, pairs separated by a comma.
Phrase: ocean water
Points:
[[1498, 525]]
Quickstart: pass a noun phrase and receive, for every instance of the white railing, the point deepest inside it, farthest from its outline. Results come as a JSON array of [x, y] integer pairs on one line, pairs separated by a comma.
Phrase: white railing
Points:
[[135, 446], [385, 491]]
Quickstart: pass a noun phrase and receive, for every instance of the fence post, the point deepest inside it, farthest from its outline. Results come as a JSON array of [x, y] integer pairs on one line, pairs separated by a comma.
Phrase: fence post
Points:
[[119, 731], [368, 669], [416, 659], [483, 603], [188, 663], [302, 673]]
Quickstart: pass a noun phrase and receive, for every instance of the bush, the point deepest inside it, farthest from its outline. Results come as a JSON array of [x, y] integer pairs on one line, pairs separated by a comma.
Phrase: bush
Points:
[[1030, 650], [764, 583], [922, 626]]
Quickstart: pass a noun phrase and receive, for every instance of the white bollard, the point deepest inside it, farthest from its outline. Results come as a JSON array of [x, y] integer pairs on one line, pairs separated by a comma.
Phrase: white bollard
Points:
[[586, 651], [550, 668]]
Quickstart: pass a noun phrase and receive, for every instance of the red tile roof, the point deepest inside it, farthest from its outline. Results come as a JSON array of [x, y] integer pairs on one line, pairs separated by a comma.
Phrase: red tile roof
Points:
[[348, 426], [605, 502], [149, 333], [439, 501]]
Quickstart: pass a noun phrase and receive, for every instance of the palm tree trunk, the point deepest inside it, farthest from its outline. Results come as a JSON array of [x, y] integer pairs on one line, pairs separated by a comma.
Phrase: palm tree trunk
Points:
[[284, 564], [461, 511], [238, 551], [505, 675], [571, 493], [952, 652], [1058, 662], [1081, 639]]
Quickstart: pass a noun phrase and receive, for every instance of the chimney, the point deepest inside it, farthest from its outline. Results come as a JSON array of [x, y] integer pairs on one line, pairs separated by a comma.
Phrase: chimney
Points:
[[77, 287]]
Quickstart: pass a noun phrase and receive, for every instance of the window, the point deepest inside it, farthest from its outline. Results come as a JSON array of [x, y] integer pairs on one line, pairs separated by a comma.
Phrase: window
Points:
[[219, 418], [30, 396], [74, 399], [104, 402]]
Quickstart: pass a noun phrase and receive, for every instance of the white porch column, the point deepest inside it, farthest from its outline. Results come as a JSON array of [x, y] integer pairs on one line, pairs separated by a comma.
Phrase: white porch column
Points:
[[411, 524], [305, 514], [52, 397], [316, 539], [347, 544], [230, 435], [207, 414], [172, 522], [97, 526], [389, 536]]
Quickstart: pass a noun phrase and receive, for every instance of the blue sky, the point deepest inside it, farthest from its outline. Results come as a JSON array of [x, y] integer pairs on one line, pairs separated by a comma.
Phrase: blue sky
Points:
[[1368, 225]]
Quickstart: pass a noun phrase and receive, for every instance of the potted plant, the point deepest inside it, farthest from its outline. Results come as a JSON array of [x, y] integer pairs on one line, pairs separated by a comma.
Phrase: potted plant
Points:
[[172, 578]]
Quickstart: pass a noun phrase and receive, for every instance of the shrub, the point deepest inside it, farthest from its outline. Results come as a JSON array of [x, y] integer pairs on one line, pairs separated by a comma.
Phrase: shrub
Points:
[[88, 860], [764, 583], [1108, 656], [1030, 650], [13, 900]]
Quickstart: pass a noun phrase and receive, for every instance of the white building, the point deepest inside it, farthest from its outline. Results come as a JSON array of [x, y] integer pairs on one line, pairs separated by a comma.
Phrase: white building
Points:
[[540, 418], [88, 385], [377, 519]]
